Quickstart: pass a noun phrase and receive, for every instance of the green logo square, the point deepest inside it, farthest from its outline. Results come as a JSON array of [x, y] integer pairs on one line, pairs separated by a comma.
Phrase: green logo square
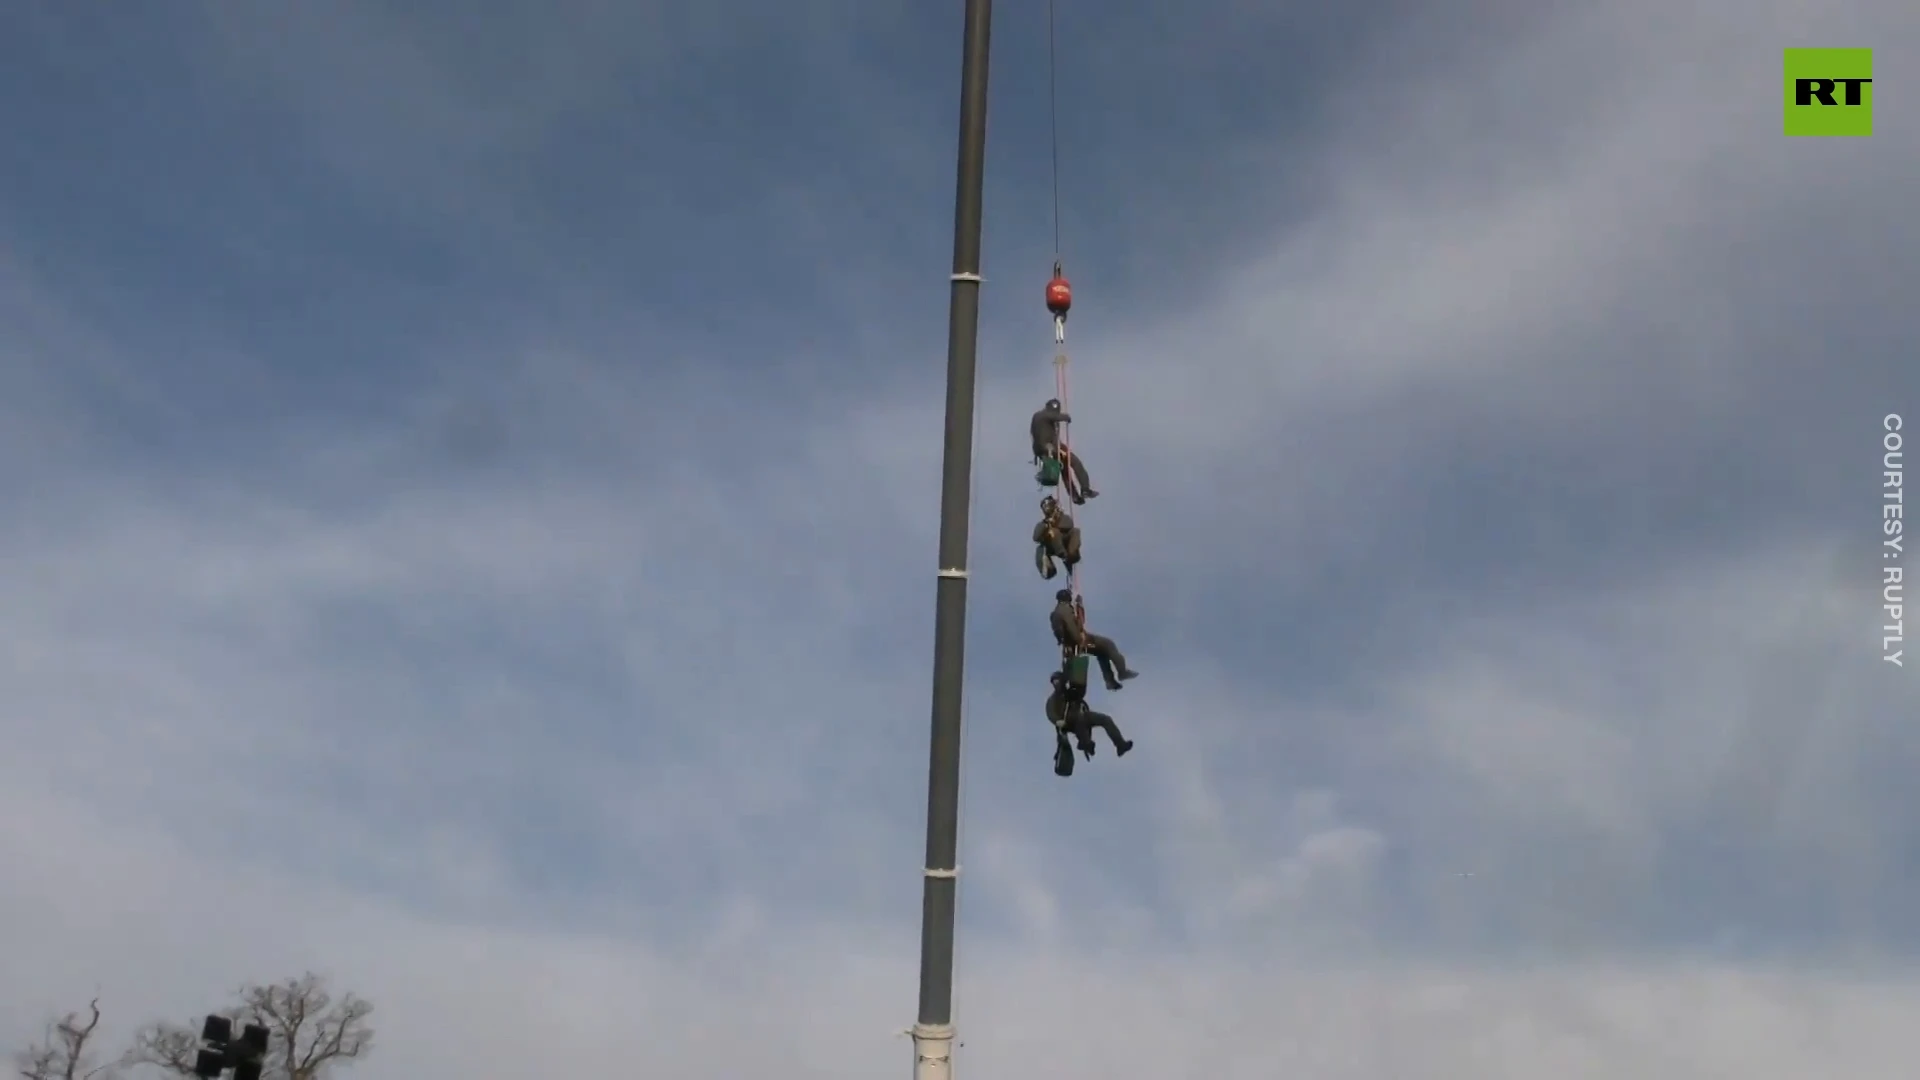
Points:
[[1829, 92]]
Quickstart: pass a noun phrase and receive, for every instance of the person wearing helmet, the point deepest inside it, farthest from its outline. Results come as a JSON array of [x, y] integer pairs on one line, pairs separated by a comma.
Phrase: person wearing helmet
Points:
[[1045, 433], [1056, 537], [1069, 623], [1070, 715]]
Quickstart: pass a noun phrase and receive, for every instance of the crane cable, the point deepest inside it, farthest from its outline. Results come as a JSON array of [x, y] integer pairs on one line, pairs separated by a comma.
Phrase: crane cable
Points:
[[1053, 117]]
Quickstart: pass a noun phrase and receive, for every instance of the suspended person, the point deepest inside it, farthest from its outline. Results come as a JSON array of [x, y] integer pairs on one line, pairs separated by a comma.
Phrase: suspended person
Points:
[[1047, 452], [1058, 702], [1069, 622], [1066, 694], [1068, 711], [1056, 537]]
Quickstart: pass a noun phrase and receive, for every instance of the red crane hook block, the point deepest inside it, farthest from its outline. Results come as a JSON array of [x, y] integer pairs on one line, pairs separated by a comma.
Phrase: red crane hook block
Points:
[[1059, 294]]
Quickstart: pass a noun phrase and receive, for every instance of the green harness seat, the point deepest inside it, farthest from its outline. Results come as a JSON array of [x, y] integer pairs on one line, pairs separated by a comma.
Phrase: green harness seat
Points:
[[1076, 669]]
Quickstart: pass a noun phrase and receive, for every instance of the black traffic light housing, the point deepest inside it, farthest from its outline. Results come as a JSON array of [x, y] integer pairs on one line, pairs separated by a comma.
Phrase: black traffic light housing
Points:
[[244, 1055]]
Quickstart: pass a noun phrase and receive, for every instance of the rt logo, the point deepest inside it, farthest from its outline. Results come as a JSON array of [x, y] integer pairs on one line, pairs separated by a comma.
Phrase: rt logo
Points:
[[1829, 92]]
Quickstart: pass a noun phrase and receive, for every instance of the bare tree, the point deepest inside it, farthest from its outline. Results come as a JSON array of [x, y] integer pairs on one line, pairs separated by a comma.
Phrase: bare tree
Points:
[[63, 1053], [167, 1047], [311, 1033]]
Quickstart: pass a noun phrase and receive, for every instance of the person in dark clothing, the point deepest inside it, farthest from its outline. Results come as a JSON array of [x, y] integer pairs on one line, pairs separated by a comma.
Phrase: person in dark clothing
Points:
[[1070, 715], [1056, 537], [1087, 719], [1045, 432], [1065, 621], [1062, 715], [1069, 622]]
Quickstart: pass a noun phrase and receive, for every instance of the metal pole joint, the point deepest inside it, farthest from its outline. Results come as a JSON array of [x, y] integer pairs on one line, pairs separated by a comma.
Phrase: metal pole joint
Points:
[[932, 1051]]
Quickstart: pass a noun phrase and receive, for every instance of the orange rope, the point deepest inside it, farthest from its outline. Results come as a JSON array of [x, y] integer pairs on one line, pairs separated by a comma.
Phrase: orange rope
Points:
[[1066, 457]]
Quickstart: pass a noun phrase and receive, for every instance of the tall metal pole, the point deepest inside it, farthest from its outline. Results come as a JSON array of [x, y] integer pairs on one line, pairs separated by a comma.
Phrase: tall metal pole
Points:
[[933, 1034]]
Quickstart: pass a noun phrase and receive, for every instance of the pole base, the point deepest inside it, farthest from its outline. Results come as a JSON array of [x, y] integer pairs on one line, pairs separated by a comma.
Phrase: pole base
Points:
[[932, 1051]]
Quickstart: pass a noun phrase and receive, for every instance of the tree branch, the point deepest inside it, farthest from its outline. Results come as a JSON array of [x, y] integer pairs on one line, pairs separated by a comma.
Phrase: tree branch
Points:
[[63, 1052], [168, 1047], [311, 1032]]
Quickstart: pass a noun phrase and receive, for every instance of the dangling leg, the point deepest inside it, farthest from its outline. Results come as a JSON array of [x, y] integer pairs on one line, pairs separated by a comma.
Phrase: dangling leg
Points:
[[1100, 656], [1069, 482], [1111, 660], [1066, 548], [1112, 654], [1076, 723], [1082, 488], [1121, 744]]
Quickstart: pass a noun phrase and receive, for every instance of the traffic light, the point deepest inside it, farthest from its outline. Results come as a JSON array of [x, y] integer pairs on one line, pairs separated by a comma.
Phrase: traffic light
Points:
[[244, 1055]]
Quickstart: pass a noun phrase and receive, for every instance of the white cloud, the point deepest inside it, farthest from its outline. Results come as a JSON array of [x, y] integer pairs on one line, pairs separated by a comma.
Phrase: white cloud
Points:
[[458, 999]]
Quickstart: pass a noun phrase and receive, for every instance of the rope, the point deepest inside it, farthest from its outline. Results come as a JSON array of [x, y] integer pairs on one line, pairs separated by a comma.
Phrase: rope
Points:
[[1066, 457], [1053, 116], [1060, 356], [1064, 447]]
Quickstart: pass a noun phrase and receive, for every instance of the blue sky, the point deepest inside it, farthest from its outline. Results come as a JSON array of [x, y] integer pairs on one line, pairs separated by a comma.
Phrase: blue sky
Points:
[[473, 483]]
